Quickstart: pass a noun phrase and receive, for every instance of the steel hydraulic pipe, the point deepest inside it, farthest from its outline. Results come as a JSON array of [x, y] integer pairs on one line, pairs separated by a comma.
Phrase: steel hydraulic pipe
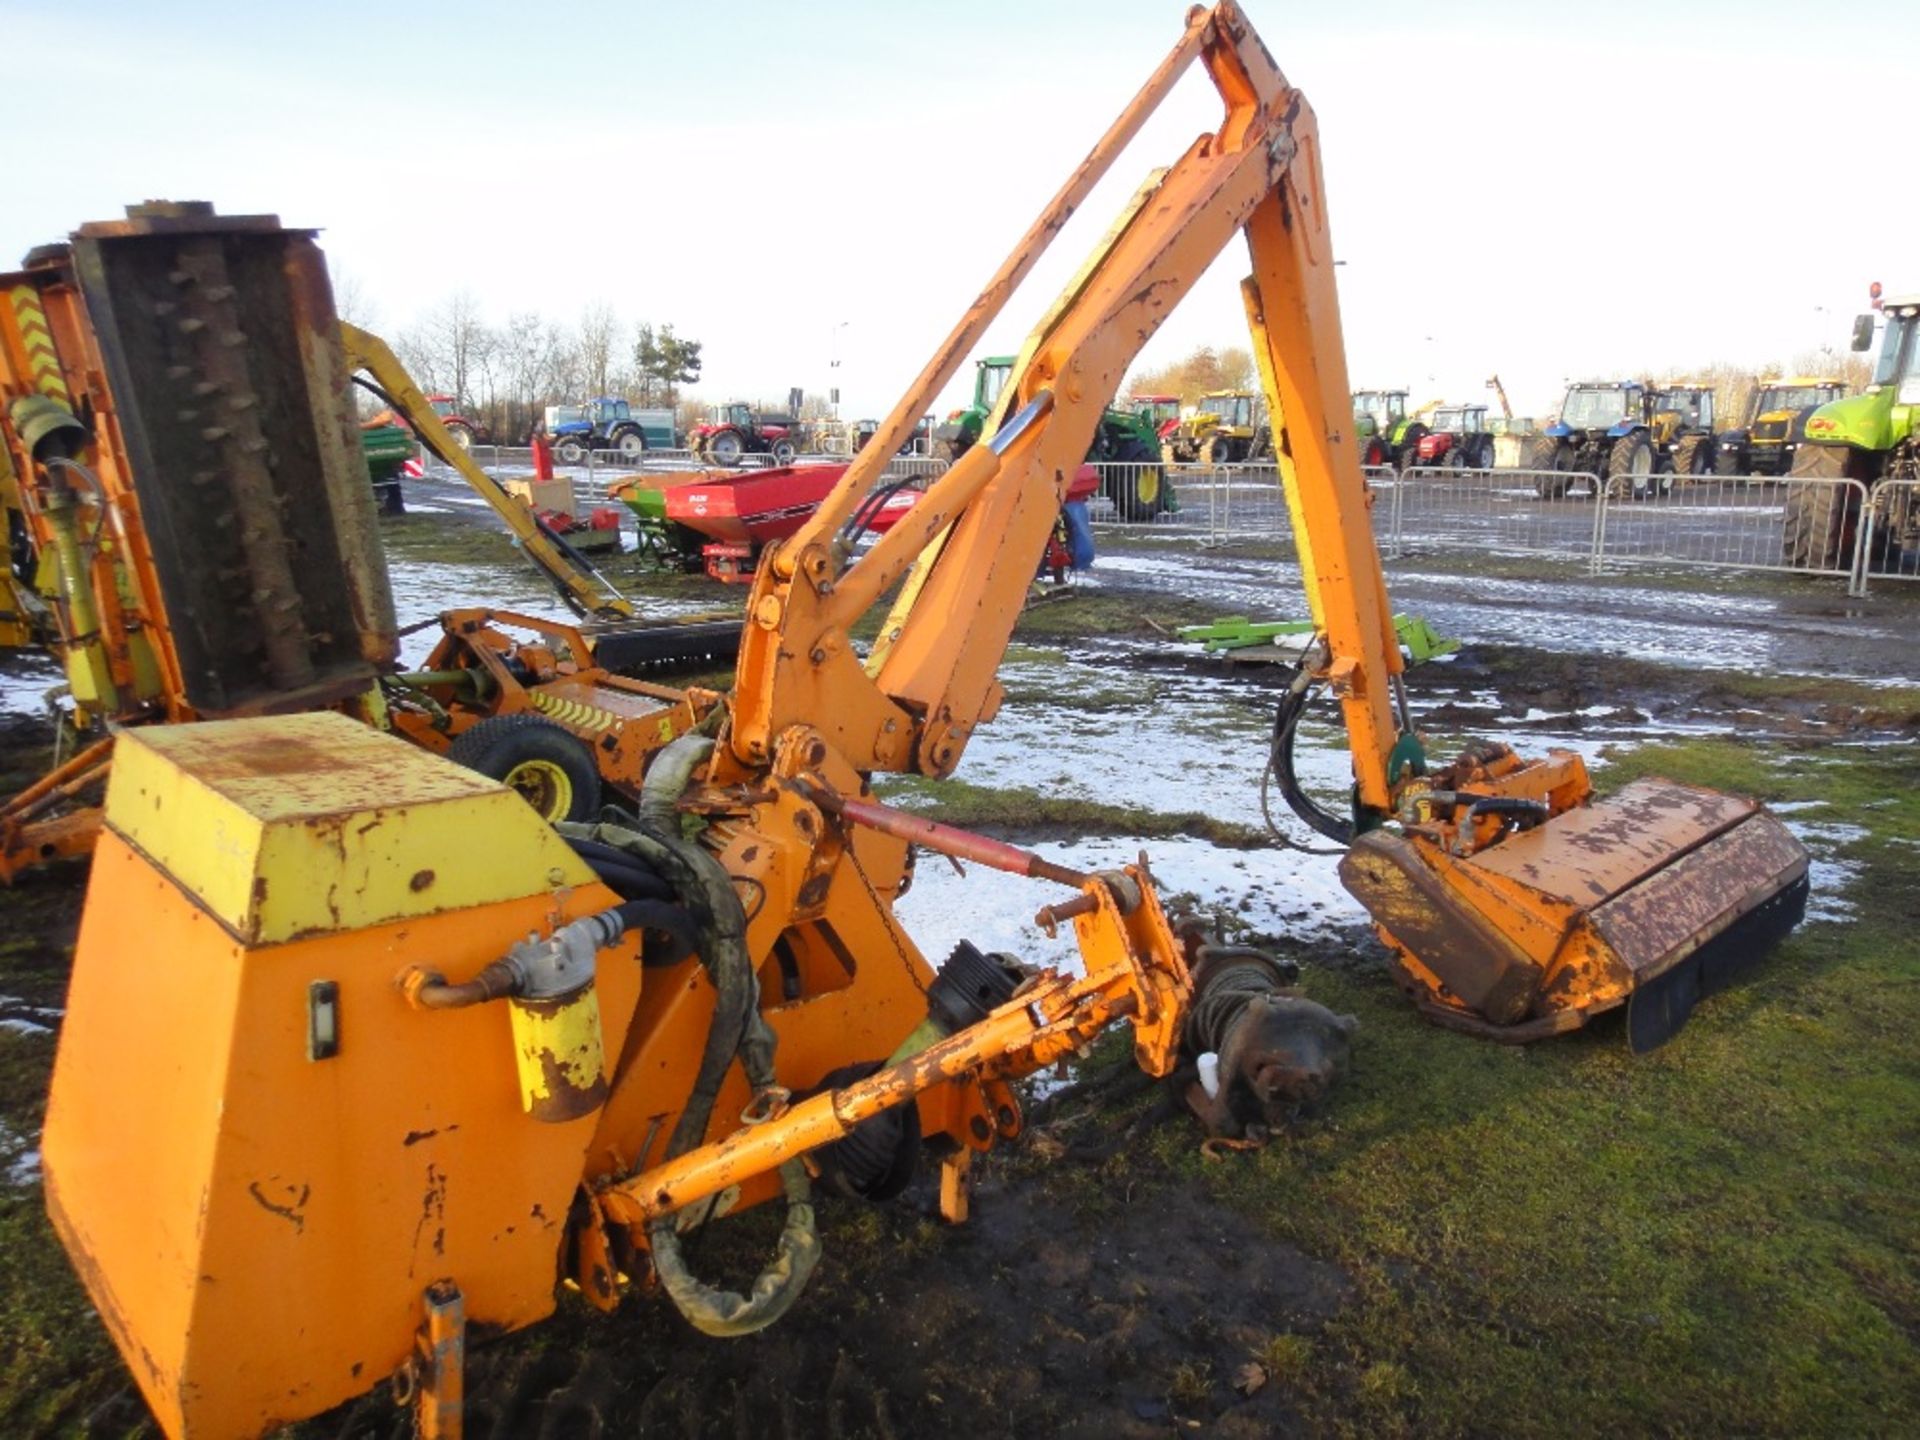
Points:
[[946, 839], [873, 457]]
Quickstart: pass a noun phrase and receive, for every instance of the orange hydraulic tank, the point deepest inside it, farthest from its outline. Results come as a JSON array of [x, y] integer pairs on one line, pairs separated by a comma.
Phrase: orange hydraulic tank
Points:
[[258, 1154]]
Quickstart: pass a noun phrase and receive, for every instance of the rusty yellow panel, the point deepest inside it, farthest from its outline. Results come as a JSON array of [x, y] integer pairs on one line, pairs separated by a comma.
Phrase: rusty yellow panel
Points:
[[255, 1217], [307, 824]]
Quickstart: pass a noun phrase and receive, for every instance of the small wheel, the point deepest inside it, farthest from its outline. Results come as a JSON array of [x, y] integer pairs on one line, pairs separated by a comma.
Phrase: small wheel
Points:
[[570, 452], [783, 452], [535, 758], [632, 444]]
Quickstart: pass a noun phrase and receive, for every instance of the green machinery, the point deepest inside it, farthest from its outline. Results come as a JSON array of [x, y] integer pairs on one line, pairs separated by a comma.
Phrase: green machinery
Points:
[[1126, 448], [1867, 437]]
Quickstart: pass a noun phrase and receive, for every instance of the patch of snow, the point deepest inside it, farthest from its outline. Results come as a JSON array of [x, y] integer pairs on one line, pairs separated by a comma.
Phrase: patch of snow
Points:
[[1275, 891], [19, 1158]]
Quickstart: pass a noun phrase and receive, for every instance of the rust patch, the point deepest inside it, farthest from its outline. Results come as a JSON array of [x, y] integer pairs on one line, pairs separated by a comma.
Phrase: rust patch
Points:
[[420, 881]]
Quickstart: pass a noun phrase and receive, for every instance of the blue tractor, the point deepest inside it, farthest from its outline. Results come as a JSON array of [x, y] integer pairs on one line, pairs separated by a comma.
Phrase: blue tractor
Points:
[[608, 423], [1605, 429]]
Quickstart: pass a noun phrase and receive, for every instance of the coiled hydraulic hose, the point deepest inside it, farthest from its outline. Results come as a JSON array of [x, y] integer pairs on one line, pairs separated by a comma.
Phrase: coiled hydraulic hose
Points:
[[703, 887], [1286, 723]]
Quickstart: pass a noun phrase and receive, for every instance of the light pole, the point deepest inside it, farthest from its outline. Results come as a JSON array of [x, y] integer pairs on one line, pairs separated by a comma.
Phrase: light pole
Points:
[[833, 366]]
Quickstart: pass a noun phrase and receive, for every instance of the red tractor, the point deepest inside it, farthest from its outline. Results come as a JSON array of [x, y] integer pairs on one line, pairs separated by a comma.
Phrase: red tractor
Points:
[[1459, 439], [735, 430], [466, 433]]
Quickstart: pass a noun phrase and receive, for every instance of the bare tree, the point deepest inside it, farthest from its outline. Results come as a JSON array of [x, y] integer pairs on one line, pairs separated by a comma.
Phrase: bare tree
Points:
[[599, 333]]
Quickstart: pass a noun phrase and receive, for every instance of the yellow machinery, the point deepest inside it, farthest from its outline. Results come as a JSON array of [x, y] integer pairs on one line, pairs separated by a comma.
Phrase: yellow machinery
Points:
[[402, 1058], [191, 539], [1224, 429]]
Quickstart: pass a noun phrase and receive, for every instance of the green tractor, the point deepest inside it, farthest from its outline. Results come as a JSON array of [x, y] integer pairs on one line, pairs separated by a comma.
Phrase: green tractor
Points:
[[1387, 434], [1126, 448], [1867, 437]]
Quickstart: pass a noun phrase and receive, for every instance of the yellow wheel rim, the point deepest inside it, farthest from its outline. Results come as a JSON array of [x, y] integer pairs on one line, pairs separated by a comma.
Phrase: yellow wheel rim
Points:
[[1147, 490], [543, 785]]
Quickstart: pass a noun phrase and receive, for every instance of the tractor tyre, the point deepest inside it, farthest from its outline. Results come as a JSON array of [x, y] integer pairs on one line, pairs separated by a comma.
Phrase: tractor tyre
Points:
[[631, 444], [783, 452], [1216, 450], [1818, 528], [725, 447], [1135, 483], [536, 759], [1553, 461], [1169, 455], [1375, 453], [570, 452], [392, 502], [1630, 466], [1729, 461], [1484, 454], [1692, 455], [462, 435]]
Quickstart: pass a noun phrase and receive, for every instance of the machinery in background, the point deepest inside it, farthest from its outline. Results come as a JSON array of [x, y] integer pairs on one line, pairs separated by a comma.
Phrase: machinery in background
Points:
[[1776, 424], [461, 1053], [608, 423], [184, 558], [391, 455], [1604, 430], [736, 429], [202, 538], [1869, 437], [1680, 424], [465, 431], [1227, 427], [1459, 439], [1160, 411], [1500, 394], [1387, 435], [1125, 447]]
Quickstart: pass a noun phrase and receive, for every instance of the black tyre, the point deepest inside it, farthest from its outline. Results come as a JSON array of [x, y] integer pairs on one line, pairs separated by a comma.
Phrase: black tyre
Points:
[[1134, 482], [1216, 450], [1729, 459], [1483, 457], [1692, 455], [392, 502], [1555, 459], [1818, 528], [725, 447], [1630, 467], [631, 443], [783, 452], [535, 758], [570, 452]]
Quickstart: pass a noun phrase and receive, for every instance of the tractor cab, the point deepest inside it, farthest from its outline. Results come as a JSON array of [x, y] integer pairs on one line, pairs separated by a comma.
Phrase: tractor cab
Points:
[[608, 409], [1682, 407], [1609, 407], [1459, 438], [1231, 409], [1779, 400], [1378, 412], [1160, 411]]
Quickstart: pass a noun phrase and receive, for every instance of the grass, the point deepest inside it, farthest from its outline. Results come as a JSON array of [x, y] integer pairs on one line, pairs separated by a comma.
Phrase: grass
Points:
[[1718, 1238], [1035, 812]]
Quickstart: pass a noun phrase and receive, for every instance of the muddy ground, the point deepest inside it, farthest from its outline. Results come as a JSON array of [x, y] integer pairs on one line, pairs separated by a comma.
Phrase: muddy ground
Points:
[[1716, 1239]]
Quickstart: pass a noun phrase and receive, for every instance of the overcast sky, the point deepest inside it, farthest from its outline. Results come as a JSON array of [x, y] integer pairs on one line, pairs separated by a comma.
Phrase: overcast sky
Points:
[[1549, 191]]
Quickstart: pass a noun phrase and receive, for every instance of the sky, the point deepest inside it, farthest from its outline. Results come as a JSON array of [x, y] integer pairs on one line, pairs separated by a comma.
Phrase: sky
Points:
[[817, 191]]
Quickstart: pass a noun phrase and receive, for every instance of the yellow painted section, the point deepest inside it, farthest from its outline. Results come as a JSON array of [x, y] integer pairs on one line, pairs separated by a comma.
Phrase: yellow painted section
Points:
[[309, 824], [559, 1054], [36, 339]]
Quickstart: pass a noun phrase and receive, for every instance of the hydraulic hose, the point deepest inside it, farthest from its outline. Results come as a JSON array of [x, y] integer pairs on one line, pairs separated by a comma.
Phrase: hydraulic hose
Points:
[[1286, 724], [702, 886]]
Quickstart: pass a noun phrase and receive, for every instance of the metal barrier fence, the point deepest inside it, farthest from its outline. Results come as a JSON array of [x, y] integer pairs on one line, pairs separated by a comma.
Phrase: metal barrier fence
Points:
[[1887, 548], [1801, 526], [1808, 526]]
